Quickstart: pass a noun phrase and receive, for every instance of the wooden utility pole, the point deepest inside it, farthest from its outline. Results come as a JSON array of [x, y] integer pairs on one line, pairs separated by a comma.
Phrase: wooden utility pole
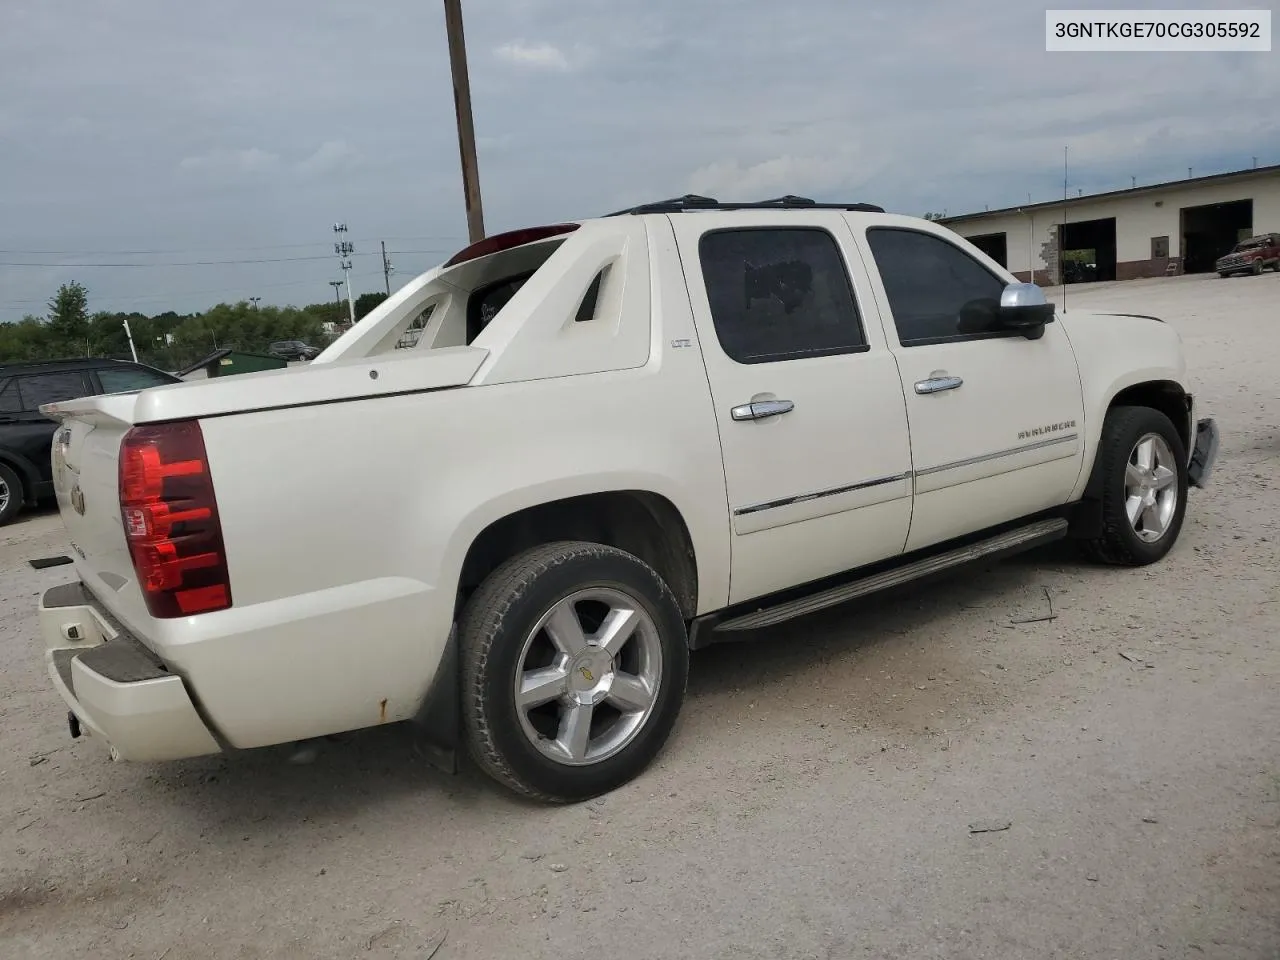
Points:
[[462, 107]]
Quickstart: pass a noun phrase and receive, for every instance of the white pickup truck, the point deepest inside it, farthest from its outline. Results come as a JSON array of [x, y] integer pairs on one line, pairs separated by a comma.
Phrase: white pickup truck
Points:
[[509, 502]]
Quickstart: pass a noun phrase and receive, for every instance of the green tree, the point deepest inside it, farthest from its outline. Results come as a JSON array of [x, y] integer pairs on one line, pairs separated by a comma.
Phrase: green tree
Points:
[[366, 302], [69, 319]]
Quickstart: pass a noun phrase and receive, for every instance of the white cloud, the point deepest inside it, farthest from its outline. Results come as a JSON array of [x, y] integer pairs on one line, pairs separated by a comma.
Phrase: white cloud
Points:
[[231, 162], [536, 56], [917, 107], [729, 179], [332, 156]]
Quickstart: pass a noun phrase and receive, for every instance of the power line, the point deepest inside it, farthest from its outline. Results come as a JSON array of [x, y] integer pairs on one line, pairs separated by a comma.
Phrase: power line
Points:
[[161, 297], [191, 263], [276, 246]]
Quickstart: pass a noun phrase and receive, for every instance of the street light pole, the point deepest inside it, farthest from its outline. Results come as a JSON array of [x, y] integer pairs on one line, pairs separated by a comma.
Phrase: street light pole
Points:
[[466, 129], [254, 301]]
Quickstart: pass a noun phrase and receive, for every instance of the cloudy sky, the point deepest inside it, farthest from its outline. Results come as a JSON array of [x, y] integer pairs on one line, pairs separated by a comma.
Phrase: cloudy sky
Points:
[[172, 137]]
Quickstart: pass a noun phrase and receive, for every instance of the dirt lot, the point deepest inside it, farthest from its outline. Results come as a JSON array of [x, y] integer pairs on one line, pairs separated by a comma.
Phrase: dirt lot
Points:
[[817, 797]]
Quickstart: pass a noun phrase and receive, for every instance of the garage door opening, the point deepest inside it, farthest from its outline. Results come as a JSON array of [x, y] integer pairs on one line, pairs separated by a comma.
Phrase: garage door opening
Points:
[[1212, 230], [994, 245], [1089, 250]]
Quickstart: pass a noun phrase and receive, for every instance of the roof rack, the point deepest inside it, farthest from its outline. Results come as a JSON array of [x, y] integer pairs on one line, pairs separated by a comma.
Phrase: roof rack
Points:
[[691, 201]]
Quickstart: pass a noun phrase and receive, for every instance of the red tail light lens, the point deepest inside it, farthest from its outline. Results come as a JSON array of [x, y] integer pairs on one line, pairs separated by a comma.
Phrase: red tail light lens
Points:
[[505, 241], [171, 521]]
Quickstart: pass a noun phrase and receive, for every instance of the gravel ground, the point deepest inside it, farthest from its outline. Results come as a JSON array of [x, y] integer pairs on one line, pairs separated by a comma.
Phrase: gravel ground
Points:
[[815, 801]]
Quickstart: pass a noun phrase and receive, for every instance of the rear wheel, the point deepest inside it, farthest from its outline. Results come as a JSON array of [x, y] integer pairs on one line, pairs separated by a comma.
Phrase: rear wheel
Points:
[[574, 664], [1143, 464], [11, 494]]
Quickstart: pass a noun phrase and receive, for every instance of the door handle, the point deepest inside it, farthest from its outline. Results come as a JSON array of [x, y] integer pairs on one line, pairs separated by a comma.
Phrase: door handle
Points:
[[761, 409], [937, 384]]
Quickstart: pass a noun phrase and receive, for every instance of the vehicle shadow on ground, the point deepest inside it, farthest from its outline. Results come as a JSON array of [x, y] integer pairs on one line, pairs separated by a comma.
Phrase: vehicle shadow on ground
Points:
[[261, 792], [880, 620]]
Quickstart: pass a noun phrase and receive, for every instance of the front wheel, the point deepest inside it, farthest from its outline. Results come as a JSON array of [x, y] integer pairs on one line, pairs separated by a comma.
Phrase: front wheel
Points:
[[1143, 465], [1256, 269], [574, 664]]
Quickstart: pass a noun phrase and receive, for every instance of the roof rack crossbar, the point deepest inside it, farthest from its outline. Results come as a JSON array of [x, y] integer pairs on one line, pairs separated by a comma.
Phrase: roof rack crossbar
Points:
[[692, 202]]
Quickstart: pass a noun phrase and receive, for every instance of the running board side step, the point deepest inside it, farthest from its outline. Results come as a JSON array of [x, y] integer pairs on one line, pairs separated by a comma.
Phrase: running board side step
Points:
[[1022, 538]]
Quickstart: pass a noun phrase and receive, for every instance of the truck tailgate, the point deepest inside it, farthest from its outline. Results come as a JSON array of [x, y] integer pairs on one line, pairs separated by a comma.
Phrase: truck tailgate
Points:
[[85, 457]]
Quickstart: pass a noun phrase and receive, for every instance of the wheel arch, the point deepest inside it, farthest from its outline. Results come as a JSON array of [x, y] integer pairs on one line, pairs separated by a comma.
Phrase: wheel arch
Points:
[[1167, 396], [641, 522]]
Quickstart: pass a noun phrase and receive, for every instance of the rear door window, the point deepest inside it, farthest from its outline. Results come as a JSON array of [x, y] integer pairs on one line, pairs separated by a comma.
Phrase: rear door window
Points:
[[779, 294], [9, 400], [43, 388]]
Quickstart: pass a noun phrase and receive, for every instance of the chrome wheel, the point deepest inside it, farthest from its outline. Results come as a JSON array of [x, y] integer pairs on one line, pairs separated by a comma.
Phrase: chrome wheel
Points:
[[1151, 487], [4, 494], [587, 677]]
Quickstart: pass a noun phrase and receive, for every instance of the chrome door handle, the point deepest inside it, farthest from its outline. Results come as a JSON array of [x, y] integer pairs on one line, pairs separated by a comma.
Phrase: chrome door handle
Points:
[[761, 409], [937, 384]]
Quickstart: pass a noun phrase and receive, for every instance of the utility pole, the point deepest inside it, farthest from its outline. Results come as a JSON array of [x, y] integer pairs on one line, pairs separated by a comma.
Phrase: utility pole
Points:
[[337, 296], [344, 248], [386, 267], [466, 129], [254, 301]]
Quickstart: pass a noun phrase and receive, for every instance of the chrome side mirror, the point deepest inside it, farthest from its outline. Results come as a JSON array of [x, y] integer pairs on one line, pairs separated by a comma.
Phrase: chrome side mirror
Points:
[[1023, 307]]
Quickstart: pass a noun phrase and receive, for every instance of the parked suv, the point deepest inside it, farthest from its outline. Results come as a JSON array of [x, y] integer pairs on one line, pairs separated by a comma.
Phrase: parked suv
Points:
[[616, 440], [1251, 256], [26, 435]]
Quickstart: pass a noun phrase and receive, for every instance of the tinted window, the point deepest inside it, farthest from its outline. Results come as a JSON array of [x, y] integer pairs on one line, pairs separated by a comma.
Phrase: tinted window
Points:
[[488, 300], [9, 401], [122, 379], [779, 294], [50, 388], [936, 291]]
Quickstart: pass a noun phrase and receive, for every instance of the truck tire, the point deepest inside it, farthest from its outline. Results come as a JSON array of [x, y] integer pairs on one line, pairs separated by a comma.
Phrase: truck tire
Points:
[[1143, 466], [11, 494], [596, 641]]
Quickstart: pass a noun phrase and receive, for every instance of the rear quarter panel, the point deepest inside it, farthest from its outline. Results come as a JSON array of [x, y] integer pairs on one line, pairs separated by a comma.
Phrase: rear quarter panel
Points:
[[346, 524]]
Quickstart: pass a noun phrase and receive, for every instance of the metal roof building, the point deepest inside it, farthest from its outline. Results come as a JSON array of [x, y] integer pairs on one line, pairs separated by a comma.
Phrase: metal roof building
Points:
[[1180, 226]]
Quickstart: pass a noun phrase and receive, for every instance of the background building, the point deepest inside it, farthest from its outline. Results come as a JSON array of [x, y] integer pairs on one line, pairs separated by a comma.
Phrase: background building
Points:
[[1181, 226]]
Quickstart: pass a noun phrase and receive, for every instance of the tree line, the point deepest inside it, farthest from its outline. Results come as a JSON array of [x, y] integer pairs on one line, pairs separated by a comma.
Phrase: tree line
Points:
[[168, 340]]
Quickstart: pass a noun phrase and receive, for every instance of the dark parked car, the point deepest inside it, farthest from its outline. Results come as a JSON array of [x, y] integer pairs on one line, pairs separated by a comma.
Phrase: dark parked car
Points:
[[26, 435], [293, 350]]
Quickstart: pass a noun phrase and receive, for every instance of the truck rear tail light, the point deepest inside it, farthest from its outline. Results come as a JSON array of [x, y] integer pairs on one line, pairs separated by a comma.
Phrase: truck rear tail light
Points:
[[171, 521], [505, 241]]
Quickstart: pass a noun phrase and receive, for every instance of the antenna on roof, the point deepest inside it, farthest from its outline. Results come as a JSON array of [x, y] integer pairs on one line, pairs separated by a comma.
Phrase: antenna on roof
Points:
[[1062, 238]]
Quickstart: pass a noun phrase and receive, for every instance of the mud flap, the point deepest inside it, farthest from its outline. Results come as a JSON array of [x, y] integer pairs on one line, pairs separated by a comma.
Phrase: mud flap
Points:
[[1205, 454], [437, 724]]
